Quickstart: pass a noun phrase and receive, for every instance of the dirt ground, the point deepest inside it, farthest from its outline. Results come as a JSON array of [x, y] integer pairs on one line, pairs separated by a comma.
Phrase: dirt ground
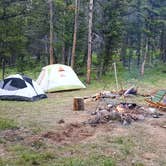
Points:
[[140, 143]]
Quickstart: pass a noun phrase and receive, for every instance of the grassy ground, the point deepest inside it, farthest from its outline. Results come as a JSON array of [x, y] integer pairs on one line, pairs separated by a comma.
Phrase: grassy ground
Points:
[[23, 124]]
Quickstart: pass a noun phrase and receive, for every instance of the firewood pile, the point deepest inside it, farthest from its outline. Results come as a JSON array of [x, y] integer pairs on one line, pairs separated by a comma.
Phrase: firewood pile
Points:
[[100, 95], [114, 110], [125, 113], [114, 94]]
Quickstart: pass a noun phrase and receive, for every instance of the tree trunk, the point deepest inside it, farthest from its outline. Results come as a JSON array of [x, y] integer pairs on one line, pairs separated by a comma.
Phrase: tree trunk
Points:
[[46, 50], [138, 33], [3, 68], [75, 34], [63, 53], [69, 56], [129, 59], [138, 50], [89, 60], [51, 32], [144, 60], [163, 44], [100, 69], [123, 50]]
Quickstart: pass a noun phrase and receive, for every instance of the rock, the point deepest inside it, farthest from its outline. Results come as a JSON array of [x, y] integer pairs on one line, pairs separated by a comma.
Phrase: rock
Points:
[[155, 116], [149, 156], [164, 126], [125, 122], [61, 121], [93, 113], [131, 105], [93, 125], [140, 117], [93, 121], [110, 105], [152, 110], [114, 115], [126, 119], [103, 113]]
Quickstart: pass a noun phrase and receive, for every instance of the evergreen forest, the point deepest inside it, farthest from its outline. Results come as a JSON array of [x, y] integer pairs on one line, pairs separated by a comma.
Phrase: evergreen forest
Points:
[[87, 35]]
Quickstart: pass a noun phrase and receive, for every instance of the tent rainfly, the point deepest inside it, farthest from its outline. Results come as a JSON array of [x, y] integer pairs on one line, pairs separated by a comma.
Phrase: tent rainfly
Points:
[[58, 77], [21, 88]]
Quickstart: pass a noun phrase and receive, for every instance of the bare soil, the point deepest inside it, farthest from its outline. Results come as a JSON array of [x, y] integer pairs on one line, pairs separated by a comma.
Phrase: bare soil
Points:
[[72, 133]]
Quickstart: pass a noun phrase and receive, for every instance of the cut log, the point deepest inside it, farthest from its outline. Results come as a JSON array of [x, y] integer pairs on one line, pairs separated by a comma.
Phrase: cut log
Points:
[[78, 104]]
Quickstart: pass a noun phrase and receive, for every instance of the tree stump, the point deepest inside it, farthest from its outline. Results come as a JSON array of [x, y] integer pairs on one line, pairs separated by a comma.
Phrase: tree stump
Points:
[[78, 104]]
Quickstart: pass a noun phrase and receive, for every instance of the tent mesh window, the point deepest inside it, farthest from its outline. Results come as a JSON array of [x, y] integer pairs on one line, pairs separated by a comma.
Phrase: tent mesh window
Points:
[[13, 84]]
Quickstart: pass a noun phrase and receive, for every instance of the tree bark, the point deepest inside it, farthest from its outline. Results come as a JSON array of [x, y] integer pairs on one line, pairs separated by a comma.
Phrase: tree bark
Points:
[[69, 56], [123, 50], [3, 68], [63, 53], [51, 32], [75, 34], [144, 60], [138, 33], [46, 50], [163, 44], [129, 59], [89, 60]]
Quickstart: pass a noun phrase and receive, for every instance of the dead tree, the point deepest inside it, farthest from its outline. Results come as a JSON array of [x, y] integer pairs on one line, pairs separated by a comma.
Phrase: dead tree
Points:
[[75, 34], [144, 60], [51, 32], [89, 60]]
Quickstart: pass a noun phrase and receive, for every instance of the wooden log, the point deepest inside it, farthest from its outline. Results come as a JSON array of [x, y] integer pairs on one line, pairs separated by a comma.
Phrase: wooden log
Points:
[[131, 90], [78, 104]]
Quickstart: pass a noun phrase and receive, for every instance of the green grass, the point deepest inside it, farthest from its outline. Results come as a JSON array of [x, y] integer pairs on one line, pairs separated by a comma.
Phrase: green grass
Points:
[[125, 145], [34, 158], [102, 150], [7, 124], [25, 156], [138, 164], [93, 161]]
